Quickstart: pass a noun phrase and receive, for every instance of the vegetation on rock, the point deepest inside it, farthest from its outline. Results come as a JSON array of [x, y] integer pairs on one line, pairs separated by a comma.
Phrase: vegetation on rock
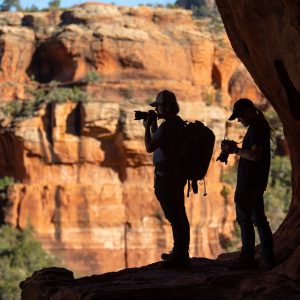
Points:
[[54, 92], [215, 24], [20, 253], [20, 256], [7, 5], [54, 4], [92, 77]]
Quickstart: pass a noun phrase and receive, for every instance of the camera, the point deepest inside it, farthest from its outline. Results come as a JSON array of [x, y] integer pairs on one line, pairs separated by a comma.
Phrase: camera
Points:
[[223, 157], [143, 115]]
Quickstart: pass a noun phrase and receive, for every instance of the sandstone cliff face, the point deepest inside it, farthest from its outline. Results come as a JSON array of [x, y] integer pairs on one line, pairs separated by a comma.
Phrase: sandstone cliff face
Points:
[[85, 181], [264, 34]]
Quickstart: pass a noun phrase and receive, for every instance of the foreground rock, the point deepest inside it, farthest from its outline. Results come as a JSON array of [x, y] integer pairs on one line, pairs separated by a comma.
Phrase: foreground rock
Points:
[[204, 279]]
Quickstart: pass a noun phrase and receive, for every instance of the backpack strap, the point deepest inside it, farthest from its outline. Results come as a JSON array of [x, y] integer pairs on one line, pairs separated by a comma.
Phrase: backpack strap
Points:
[[189, 188], [204, 187], [195, 186]]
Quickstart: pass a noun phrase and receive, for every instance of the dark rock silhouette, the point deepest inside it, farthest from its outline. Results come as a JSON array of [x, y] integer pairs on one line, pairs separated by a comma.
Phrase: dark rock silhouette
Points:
[[204, 279], [292, 94]]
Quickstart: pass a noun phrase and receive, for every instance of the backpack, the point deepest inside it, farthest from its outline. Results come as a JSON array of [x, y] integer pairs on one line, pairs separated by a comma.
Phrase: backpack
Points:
[[195, 153]]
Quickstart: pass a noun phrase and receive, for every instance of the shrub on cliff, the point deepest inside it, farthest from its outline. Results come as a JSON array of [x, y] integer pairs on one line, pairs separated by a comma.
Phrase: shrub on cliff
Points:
[[7, 5], [31, 8], [5, 182], [12, 109], [42, 96], [54, 4], [92, 77], [18, 108], [215, 24], [279, 192], [54, 93], [62, 94], [20, 256]]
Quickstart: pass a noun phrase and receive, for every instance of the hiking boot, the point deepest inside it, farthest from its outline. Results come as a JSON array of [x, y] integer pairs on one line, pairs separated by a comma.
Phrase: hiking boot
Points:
[[176, 261], [166, 256], [244, 263]]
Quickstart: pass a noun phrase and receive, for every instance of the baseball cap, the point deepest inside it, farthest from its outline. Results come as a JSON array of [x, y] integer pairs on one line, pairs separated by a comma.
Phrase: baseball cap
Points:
[[240, 106], [164, 97]]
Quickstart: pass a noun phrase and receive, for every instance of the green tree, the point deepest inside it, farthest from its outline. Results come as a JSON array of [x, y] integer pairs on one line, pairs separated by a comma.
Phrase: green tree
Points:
[[7, 5], [20, 256], [54, 4], [32, 8], [5, 182], [279, 192]]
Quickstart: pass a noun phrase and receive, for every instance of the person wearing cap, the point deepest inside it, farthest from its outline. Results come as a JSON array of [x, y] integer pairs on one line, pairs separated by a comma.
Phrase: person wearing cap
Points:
[[252, 179], [164, 141]]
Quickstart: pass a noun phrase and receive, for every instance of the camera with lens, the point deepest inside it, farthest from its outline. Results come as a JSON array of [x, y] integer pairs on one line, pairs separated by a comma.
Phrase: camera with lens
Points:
[[223, 157], [143, 115]]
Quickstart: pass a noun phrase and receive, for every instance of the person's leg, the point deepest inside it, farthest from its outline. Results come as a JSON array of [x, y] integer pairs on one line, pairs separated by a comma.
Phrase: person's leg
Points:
[[263, 228], [171, 197], [169, 202], [242, 200], [180, 224]]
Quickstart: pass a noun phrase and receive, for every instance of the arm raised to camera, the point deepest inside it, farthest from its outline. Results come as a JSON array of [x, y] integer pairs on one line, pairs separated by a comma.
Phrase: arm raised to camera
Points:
[[151, 140]]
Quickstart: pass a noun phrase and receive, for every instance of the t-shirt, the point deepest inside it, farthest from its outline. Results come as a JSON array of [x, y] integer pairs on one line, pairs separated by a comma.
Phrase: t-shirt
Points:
[[254, 174], [169, 136]]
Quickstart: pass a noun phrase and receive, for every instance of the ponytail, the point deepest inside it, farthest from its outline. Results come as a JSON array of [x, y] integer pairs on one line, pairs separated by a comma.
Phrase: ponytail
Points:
[[262, 117]]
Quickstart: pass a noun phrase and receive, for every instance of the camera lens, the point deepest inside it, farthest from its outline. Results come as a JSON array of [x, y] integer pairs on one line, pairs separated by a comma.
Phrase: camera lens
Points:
[[140, 115]]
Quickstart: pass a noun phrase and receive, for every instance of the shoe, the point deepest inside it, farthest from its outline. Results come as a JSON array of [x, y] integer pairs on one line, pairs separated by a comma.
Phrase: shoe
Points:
[[244, 263], [176, 261], [166, 256]]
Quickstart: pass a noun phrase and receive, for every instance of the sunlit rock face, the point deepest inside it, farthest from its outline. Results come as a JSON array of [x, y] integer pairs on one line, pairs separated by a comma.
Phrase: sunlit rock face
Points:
[[265, 36], [84, 179]]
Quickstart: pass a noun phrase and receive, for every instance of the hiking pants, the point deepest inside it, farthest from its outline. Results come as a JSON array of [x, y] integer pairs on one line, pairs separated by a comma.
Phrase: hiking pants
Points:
[[170, 194], [250, 211]]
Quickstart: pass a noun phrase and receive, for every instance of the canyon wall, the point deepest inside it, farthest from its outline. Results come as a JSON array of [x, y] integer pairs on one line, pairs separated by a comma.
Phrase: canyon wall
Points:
[[265, 35], [83, 178]]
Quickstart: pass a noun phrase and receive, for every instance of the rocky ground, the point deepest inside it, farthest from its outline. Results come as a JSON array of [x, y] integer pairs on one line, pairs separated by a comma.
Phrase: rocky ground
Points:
[[204, 279]]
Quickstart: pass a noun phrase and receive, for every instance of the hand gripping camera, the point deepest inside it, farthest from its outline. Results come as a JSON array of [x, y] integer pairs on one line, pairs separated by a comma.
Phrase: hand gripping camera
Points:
[[223, 157]]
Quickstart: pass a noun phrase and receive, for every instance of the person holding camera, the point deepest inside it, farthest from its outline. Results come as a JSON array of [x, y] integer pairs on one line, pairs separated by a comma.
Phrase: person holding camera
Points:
[[252, 179], [164, 141]]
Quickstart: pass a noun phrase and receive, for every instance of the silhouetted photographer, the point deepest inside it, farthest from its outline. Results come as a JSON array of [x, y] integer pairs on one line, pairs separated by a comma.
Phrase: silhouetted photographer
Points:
[[252, 179], [164, 141]]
